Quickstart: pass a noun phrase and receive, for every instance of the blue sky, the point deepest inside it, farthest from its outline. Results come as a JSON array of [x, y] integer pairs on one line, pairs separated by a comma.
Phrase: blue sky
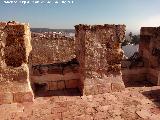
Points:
[[133, 13]]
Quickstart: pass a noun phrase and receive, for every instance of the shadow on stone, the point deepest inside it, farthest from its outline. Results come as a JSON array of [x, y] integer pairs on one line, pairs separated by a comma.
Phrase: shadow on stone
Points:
[[66, 92], [144, 83], [153, 95]]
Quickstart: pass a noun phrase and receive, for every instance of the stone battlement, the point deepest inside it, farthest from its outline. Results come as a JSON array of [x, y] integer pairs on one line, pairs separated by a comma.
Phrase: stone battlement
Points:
[[14, 72], [97, 49]]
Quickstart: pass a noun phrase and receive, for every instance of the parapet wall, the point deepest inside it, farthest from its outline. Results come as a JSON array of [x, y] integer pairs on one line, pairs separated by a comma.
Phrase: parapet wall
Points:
[[149, 49], [149, 44], [14, 73], [51, 50], [98, 50]]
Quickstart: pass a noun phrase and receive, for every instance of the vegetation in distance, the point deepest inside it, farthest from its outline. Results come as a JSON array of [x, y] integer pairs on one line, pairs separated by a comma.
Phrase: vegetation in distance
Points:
[[131, 39]]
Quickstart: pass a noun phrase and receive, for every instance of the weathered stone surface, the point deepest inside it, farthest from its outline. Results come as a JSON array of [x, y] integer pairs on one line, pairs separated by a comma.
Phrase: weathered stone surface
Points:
[[149, 41], [72, 83], [149, 48], [70, 76], [23, 97], [99, 53], [14, 73], [2, 46], [18, 39], [117, 87], [60, 85], [20, 74], [147, 66], [6, 98], [46, 78], [52, 85], [104, 88], [52, 50]]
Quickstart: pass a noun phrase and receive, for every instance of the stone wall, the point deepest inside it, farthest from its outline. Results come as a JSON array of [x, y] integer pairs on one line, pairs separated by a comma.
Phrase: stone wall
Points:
[[14, 73], [149, 49], [48, 57], [56, 76], [98, 50], [145, 48], [51, 50]]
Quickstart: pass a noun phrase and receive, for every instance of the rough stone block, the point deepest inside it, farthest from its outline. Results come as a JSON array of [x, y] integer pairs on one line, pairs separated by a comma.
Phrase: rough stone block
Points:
[[20, 74], [88, 90], [71, 76], [6, 98], [17, 29], [117, 87], [104, 88], [55, 71], [52, 85], [72, 83], [23, 97], [60, 85]]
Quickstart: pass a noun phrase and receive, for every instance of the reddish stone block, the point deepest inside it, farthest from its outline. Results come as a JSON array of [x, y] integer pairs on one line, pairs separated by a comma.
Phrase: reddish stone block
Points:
[[88, 90], [96, 90], [71, 83], [6, 98], [56, 115], [104, 88], [52, 86], [23, 97], [60, 85], [16, 29], [117, 87], [55, 71]]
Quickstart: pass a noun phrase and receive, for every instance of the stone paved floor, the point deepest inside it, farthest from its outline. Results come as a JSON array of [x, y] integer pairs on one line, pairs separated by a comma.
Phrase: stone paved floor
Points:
[[135, 103]]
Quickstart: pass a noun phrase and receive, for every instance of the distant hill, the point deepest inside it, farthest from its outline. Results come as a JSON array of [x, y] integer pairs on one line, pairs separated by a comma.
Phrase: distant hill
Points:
[[39, 30]]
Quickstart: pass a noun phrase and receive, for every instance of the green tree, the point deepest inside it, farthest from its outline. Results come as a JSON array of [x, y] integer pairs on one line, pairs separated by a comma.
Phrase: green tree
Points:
[[126, 42], [135, 39]]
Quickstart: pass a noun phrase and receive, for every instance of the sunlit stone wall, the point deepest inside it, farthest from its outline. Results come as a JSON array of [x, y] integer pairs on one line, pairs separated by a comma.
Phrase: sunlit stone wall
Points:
[[98, 49], [51, 50], [14, 73]]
